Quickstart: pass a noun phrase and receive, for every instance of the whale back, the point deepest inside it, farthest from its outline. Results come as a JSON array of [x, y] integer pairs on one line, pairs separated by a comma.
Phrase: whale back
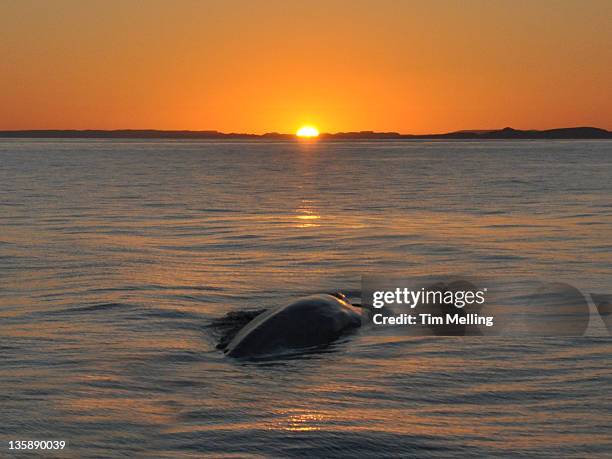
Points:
[[311, 321]]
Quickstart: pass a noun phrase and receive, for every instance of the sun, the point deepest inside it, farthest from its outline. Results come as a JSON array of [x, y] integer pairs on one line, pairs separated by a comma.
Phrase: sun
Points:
[[307, 132]]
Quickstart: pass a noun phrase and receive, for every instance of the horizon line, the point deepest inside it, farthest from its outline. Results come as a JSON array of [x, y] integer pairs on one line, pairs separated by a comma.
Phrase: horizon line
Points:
[[584, 132]]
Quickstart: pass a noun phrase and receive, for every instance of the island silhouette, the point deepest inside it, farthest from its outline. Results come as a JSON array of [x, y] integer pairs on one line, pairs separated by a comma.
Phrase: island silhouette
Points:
[[507, 133]]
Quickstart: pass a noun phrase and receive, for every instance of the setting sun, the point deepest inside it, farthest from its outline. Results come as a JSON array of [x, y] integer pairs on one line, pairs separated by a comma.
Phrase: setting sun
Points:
[[307, 132]]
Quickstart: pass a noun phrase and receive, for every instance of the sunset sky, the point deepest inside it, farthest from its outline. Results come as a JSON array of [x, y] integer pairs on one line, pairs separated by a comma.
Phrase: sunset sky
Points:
[[258, 66]]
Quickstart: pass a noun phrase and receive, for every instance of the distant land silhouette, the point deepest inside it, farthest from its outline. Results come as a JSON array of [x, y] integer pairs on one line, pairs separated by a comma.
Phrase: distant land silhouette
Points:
[[505, 134]]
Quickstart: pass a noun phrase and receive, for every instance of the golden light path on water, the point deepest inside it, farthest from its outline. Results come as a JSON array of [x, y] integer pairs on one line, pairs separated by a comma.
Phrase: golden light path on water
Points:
[[307, 214]]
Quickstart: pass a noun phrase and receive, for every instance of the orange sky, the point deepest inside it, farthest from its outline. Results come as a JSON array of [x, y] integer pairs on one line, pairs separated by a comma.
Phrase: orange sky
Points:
[[262, 65]]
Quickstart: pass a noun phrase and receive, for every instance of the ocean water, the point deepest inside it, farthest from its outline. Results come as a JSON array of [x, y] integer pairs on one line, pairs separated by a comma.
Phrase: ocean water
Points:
[[117, 256]]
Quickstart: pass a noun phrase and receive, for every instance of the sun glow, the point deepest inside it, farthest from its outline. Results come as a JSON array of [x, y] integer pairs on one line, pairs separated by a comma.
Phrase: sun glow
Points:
[[307, 132]]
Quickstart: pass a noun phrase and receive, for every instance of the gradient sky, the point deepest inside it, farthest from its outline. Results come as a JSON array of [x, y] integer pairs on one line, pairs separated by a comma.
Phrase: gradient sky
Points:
[[257, 66]]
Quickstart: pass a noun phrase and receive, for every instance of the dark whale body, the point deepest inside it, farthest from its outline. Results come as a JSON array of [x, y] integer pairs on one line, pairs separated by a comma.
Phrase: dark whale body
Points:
[[311, 321]]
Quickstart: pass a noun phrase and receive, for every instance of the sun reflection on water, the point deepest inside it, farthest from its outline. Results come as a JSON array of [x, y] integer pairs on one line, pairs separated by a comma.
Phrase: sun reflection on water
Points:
[[308, 215], [300, 421]]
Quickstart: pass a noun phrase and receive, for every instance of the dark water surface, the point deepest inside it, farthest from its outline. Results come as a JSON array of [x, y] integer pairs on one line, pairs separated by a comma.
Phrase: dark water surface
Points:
[[116, 255]]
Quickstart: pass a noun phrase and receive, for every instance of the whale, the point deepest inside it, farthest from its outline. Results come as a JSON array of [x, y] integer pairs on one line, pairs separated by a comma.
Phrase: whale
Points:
[[309, 322], [315, 321]]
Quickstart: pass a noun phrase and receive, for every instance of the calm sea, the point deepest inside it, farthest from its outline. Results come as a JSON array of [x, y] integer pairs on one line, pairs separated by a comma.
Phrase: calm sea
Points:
[[115, 256]]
